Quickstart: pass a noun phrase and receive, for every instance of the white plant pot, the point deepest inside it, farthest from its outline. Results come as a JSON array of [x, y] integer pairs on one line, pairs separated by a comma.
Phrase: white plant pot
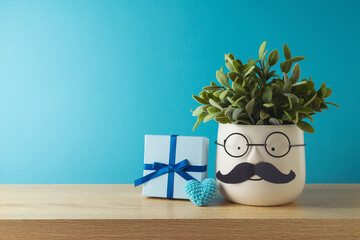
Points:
[[281, 174]]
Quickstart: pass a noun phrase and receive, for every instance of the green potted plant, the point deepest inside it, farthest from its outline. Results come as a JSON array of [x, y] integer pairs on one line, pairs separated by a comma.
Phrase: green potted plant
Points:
[[260, 154]]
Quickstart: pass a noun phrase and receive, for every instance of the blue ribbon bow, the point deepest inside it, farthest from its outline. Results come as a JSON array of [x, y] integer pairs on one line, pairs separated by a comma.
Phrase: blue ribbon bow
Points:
[[171, 168]]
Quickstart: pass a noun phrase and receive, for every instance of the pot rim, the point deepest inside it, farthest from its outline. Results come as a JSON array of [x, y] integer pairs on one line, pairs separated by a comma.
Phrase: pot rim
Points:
[[253, 125]]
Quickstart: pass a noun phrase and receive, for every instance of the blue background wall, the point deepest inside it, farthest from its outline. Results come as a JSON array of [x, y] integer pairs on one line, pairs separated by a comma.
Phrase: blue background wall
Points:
[[81, 82]]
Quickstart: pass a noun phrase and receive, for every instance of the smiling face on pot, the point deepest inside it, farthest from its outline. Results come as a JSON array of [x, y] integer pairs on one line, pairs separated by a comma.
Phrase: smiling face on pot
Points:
[[260, 165]]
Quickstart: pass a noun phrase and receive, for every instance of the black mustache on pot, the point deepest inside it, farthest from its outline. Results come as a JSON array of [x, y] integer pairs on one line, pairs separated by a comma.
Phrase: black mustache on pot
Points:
[[265, 170]]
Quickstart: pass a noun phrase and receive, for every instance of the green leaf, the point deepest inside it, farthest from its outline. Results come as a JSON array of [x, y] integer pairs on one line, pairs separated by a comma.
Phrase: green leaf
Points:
[[200, 118], [260, 122], [249, 71], [267, 95], [250, 107], [303, 109], [280, 84], [215, 104], [288, 84], [322, 91], [242, 121], [218, 92], [213, 109], [253, 89], [229, 57], [332, 104], [237, 102], [238, 88], [222, 78], [196, 125], [288, 115], [287, 52], [263, 115], [236, 66], [299, 83], [273, 57], [297, 59], [234, 75], [290, 103], [295, 73], [259, 72], [305, 127], [286, 66], [249, 65], [271, 74], [309, 117], [211, 116], [266, 66], [264, 55], [204, 96], [275, 89], [324, 106], [211, 88], [328, 93], [296, 120], [199, 99], [310, 101], [230, 100], [228, 111], [236, 113], [274, 121], [293, 96], [261, 50], [316, 103], [198, 110], [229, 66], [268, 105], [222, 119], [223, 94]]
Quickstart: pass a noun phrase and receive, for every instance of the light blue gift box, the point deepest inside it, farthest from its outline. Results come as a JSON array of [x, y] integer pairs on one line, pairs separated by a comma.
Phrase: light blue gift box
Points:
[[170, 161]]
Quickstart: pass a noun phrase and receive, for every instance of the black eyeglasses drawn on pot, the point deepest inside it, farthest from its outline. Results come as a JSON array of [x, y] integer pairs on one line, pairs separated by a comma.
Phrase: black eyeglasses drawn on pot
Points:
[[277, 144]]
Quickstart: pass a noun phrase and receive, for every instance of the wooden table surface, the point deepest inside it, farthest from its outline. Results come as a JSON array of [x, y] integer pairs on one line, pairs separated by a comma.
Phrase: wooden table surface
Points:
[[117, 211]]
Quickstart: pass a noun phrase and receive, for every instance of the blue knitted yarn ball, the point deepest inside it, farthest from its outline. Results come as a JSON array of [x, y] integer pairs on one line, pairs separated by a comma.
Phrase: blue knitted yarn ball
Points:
[[201, 193]]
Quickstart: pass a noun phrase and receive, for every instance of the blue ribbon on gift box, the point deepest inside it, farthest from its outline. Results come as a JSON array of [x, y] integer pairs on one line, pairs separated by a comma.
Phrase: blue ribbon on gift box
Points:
[[180, 168]]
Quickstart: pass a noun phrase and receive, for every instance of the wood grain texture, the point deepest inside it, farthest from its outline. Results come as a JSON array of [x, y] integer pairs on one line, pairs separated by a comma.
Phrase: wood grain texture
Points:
[[120, 212], [180, 229]]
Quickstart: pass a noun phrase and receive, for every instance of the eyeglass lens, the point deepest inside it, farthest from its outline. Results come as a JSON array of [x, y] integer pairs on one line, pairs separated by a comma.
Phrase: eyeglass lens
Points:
[[277, 144]]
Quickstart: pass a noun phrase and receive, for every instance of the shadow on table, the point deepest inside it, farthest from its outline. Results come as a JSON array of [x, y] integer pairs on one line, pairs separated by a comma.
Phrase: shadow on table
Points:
[[320, 196], [329, 197]]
